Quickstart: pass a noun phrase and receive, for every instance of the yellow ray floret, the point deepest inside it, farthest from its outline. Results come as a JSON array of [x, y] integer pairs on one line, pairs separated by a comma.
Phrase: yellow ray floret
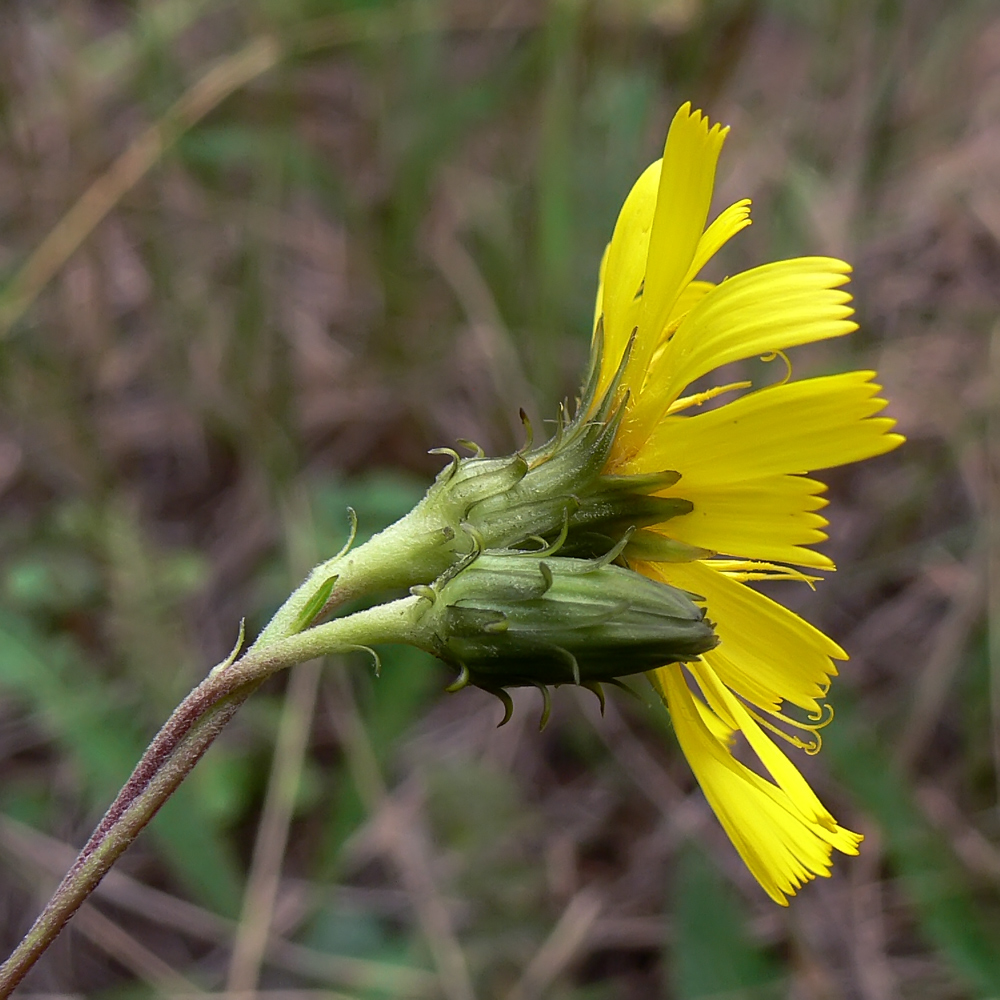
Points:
[[803, 426], [783, 833], [683, 198], [767, 309], [771, 654], [623, 270], [770, 518], [730, 221], [660, 236], [738, 464]]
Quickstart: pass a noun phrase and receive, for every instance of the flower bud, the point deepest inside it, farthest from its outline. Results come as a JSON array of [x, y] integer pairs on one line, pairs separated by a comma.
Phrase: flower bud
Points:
[[514, 619]]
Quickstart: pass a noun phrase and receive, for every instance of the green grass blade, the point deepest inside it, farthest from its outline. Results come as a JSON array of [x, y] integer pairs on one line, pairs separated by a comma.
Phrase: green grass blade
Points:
[[711, 954]]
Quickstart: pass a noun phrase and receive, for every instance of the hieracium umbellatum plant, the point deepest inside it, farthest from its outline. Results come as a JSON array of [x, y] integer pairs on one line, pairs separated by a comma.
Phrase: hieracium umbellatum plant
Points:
[[624, 544]]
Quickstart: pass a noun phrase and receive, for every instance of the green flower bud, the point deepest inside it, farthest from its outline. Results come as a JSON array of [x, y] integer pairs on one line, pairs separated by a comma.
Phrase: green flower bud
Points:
[[511, 619]]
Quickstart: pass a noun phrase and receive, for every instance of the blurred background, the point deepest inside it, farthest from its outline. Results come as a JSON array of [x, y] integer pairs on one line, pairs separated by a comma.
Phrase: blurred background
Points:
[[255, 259]]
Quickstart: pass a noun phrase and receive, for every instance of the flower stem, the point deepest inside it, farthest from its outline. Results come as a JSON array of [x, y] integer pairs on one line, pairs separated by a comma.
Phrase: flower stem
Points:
[[415, 549], [110, 840], [180, 744]]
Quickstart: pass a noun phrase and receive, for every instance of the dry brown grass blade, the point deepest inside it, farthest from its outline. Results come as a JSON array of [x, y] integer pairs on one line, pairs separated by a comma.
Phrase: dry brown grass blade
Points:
[[263, 995], [409, 848], [132, 954], [26, 845], [992, 514], [943, 661], [272, 833], [404, 840], [971, 847], [686, 815], [561, 946], [223, 79], [459, 269], [228, 75], [875, 975], [54, 857]]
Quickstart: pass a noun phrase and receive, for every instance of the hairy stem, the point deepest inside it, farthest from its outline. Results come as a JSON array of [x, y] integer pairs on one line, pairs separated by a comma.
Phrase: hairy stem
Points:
[[415, 549], [110, 841], [180, 744]]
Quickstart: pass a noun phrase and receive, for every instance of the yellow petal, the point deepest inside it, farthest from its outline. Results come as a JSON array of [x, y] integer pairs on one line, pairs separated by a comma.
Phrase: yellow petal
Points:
[[758, 689], [728, 223], [599, 301], [771, 518], [766, 309], [802, 426], [723, 731], [785, 774], [624, 268], [691, 294], [683, 199], [782, 848], [770, 654]]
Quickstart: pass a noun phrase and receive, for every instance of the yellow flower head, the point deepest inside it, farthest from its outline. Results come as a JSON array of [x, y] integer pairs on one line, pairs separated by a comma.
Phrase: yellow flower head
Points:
[[742, 467]]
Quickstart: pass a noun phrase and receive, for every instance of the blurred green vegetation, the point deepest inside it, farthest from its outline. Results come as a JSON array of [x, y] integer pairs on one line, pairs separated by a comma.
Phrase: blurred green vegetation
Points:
[[384, 242]]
